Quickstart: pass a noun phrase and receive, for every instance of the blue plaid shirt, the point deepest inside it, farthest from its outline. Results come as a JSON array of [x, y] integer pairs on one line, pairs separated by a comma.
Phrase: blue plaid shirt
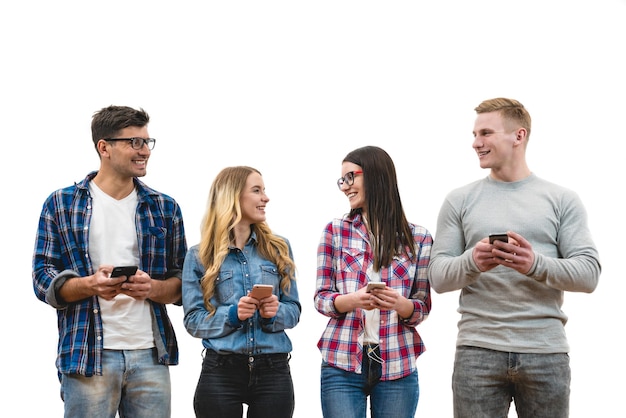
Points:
[[62, 252]]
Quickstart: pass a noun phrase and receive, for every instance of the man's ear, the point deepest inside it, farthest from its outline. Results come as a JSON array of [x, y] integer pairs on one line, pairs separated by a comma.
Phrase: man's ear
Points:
[[102, 147]]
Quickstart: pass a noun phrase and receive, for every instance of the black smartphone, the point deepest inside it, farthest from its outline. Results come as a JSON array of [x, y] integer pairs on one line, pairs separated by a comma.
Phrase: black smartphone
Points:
[[124, 271], [498, 237]]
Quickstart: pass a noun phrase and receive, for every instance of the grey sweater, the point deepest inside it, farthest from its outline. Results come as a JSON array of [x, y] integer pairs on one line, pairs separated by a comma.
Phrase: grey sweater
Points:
[[502, 309]]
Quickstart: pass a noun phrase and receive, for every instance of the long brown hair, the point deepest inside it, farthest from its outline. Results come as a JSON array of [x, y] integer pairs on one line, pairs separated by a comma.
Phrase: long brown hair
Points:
[[385, 216]]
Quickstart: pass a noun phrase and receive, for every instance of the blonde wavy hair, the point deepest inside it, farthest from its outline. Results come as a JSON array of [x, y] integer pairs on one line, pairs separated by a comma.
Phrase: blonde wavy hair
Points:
[[217, 231]]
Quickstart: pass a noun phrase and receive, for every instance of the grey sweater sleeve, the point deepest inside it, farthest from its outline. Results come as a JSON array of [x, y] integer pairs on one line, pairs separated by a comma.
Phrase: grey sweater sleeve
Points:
[[551, 217], [577, 266]]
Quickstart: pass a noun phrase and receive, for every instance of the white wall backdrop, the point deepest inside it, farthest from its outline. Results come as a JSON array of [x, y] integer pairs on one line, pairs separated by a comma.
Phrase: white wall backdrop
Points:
[[290, 87]]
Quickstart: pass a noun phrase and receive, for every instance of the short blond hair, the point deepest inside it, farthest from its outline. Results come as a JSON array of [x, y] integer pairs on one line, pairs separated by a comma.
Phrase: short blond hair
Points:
[[511, 111]]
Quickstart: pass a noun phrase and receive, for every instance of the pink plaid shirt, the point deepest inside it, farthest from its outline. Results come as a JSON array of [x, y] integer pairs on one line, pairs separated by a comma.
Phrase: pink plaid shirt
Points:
[[343, 257]]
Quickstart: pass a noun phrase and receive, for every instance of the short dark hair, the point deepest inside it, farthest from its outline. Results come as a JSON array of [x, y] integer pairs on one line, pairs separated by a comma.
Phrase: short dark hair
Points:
[[108, 121]]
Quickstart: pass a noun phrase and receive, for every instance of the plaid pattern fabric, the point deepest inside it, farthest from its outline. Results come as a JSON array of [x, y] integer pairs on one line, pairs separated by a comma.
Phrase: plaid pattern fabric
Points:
[[343, 257], [61, 249]]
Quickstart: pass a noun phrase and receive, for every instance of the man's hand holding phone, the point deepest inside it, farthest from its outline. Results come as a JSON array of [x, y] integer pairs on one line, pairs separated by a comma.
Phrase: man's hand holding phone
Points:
[[124, 271], [487, 251], [508, 249], [498, 237], [139, 288]]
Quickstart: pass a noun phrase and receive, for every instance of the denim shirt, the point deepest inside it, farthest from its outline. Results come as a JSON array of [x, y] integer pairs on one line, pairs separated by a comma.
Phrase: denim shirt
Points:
[[223, 332]]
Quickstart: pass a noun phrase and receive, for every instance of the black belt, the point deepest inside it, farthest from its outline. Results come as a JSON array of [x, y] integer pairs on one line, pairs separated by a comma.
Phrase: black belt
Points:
[[248, 359]]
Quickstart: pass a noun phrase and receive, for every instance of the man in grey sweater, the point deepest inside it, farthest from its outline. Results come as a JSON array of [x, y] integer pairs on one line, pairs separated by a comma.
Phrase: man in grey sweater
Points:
[[511, 343]]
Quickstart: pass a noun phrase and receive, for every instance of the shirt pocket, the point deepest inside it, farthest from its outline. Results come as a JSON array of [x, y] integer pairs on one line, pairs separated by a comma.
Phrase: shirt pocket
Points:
[[269, 275], [402, 275], [351, 270], [352, 260], [224, 287]]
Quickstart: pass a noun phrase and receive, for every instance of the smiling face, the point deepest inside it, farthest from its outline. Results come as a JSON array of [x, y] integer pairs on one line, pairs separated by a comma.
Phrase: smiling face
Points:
[[123, 159], [498, 144], [356, 191], [253, 200]]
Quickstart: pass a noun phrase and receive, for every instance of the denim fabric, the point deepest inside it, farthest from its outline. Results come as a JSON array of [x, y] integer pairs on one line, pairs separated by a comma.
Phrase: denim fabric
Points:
[[484, 383], [223, 332], [133, 383], [228, 381], [344, 394]]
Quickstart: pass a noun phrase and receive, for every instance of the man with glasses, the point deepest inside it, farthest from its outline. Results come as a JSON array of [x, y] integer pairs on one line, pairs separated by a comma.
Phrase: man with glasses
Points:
[[116, 340]]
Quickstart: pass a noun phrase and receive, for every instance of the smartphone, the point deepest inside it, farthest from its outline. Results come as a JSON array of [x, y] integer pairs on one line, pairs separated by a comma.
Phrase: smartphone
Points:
[[261, 291], [124, 271], [375, 285], [498, 237]]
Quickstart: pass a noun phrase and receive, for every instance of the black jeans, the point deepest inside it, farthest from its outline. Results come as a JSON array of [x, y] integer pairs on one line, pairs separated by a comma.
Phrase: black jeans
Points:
[[228, 381]]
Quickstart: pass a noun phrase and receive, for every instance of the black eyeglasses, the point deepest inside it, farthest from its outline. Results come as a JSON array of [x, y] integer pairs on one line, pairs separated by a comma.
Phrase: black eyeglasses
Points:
[[348, 179], [136, 142]]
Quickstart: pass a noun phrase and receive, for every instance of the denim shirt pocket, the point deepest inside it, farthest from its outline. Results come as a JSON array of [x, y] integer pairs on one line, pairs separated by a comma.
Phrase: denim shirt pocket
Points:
[[269, 275], [224, 287]]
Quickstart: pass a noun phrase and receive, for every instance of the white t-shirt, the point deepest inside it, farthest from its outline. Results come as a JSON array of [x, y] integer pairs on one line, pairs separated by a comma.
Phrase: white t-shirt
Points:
[[127, 322], [372, 316]]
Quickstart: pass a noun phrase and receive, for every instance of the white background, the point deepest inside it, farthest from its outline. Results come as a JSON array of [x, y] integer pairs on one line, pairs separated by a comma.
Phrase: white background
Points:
[[290, 87]]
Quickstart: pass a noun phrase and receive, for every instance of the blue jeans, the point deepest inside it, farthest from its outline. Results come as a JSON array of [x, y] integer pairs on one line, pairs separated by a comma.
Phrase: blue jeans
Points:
[[344, 394], [228, 381], [133, 383], [484, 383]]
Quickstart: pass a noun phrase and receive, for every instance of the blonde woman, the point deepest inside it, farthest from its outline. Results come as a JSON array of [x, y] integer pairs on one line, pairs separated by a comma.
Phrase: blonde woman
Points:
[[246, 349]]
